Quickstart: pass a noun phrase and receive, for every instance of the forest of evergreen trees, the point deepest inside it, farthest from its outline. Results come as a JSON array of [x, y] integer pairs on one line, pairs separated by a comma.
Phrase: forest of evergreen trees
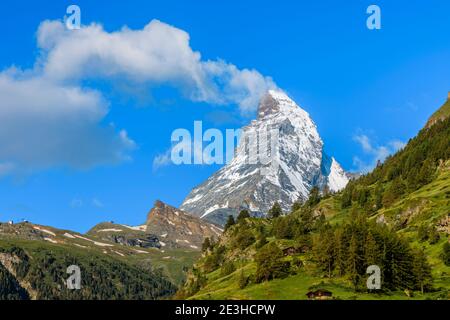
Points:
[[347, 251], [102, 278], [406, 171]]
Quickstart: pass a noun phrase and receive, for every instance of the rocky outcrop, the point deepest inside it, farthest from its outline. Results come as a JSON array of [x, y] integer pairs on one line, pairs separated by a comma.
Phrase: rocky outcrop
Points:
[[177, 228], [165, 227], [133, 240], [10, 263]]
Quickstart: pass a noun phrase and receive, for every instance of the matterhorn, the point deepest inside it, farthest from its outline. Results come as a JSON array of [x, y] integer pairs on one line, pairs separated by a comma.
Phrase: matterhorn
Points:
[[297, 164]]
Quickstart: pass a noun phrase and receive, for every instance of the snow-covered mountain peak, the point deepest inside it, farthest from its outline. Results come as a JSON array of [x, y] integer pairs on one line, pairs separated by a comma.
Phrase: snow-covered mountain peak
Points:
[[296, 164], [275, 102]]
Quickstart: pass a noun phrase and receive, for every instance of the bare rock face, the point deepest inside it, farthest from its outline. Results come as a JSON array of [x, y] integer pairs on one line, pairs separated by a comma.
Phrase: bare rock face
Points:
[[166, 227], [296, 165], [176, 228]]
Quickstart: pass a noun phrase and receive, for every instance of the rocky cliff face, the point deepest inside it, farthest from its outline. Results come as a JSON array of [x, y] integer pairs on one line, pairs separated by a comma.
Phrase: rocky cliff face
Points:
[[176, 228], [290, 161], [165, 227]]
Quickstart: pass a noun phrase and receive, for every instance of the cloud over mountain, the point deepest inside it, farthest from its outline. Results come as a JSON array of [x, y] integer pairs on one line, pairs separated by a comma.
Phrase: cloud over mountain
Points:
[[50, 117], [374, 152]]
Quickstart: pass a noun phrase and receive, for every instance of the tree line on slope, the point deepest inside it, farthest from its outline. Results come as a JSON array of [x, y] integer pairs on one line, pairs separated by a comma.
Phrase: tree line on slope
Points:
[[347, 249], [342, 251], [101, 278], [409, 169]]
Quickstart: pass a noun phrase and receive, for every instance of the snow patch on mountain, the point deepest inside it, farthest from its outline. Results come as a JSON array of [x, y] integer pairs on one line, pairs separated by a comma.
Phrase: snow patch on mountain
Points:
[[296, 164]]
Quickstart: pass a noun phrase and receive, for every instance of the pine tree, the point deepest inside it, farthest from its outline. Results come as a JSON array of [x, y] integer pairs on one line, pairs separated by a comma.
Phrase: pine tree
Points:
[[306, 220], [446, 253], [261, 240], [422, 233], [296, 206], [371, 251], [378, 196], [412, 180], [275, 211], [244, 214], [427, 172], [422, 271], [314, 197], [206, 244], [230, 223], [346, 200], [325, 251], [243, 280], [401, 264], [363, 196], [353, 261], [434, 236], [340, 252], [270, 264]]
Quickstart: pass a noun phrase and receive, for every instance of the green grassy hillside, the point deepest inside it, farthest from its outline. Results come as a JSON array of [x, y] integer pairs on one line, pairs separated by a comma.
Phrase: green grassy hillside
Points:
[[396, 217], [40, 270], [34, 259]]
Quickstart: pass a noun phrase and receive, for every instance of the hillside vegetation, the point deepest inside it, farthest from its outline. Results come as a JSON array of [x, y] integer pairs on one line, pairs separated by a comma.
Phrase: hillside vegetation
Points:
[[34, 261], [396, 217]]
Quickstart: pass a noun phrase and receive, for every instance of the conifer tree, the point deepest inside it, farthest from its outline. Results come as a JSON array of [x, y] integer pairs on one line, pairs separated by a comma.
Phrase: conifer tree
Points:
[[371, 251], [230, 223], [446, 254], [340, 252], [422, 271], [275, 211], [270, 264], [206, 244], [378, 196], [325, 250], [346, 200], [314, 197], [243, 280], [296, 206], [353, 260], [244, 214]]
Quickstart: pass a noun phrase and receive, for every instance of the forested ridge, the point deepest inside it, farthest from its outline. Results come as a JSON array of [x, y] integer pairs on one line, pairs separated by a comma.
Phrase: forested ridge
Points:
[[395, 217], [40, 272]]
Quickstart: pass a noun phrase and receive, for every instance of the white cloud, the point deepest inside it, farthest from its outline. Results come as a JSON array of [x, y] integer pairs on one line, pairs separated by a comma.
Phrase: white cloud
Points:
[[162, 160], [97, 203], [45, 124], [397, 144], [197, 151], [376, 153], [76, 203], [50, 118], [157, 54]]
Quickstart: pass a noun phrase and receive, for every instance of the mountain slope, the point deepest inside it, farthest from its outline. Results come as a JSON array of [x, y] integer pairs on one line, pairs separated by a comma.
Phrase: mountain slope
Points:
[[441, 114], [296, 164], [166, 227], [396, 217], [34, 260]]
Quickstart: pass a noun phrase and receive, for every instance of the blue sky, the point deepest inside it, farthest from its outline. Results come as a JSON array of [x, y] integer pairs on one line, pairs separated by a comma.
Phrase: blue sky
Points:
[[367, 91]]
